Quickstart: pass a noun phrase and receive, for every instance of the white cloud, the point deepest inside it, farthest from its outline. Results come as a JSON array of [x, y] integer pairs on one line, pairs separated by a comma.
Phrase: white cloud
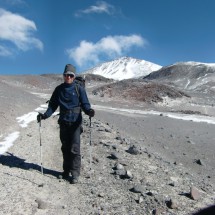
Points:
[[110, 47], [15, 2], [18, 30], [99, 8], [4, 51]]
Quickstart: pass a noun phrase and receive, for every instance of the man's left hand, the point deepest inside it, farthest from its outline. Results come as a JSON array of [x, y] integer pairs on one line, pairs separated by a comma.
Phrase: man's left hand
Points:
[[91, 113]]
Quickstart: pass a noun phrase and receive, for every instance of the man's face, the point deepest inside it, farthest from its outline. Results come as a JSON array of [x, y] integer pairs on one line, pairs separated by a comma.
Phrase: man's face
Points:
[[68, 78]]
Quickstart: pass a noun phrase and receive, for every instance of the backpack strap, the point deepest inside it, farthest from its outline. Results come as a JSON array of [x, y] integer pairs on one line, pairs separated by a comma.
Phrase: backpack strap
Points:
[[77, 90]]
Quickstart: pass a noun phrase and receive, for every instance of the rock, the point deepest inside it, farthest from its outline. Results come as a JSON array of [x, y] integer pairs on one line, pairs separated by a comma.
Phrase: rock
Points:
[[108, 130], [106, 145], [114, 147], [158, 211], [93, 191], [172, 184], [149, 193], [133, 150], [137, 189], [95, 160], [119, 166], [140, 199], [101, 142], [191, 142], [129, 174], [198, 161], [194, 193], [172, 204], [114, 156], [124, 141], [120, 172], [118, 138], [41, 204], [155, 211], [101, 195]]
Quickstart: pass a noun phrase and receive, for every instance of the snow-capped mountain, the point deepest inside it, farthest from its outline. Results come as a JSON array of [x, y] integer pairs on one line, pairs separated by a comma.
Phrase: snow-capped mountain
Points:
[[187, 75], [125, 68]]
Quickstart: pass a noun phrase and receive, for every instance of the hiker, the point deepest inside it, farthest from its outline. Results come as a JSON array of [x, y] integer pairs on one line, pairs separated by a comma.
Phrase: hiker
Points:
[[71, 98]]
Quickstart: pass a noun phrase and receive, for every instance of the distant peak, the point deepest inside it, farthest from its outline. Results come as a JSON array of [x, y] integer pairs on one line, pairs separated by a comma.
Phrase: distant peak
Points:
[[125, 68]]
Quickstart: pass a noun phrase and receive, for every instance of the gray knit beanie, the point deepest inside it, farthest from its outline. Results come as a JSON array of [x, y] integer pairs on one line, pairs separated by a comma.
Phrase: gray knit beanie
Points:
[[69, 70]]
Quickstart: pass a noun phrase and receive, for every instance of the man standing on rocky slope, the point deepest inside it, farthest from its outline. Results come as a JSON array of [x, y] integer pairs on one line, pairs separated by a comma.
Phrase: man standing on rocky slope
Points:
[[71, 98]]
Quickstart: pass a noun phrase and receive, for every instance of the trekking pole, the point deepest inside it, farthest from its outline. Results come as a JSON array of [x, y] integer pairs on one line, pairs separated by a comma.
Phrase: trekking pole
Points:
[[41, 161], [90, 147]]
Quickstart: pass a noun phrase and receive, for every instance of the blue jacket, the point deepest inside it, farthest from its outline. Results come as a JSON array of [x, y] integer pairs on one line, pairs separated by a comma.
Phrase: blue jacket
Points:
[[71, 98]]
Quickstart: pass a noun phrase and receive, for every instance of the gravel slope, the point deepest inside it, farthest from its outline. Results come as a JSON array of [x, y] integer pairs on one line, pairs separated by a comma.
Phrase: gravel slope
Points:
[[157, 179]]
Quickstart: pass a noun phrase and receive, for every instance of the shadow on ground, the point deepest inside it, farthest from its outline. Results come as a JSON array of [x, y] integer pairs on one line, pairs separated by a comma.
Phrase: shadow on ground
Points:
[[13, 161]]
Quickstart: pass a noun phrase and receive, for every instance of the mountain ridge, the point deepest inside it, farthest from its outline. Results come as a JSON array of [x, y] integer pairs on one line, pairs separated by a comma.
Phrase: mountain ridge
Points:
[[192, 76]]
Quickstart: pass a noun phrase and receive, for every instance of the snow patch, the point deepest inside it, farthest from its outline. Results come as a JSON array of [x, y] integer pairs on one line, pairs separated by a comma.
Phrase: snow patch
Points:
[[8, 142], [41, 108], [32, 116], [41, 95], [187, 117], [23, 122], [188, 82], [26, 119]]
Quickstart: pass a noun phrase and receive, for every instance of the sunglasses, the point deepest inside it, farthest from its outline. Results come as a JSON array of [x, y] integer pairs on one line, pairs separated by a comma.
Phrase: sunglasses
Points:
[[68, 75]]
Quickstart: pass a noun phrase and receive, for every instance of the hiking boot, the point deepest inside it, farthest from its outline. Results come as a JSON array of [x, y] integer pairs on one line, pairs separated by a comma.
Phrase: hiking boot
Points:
[[74, 180], [64, 175]]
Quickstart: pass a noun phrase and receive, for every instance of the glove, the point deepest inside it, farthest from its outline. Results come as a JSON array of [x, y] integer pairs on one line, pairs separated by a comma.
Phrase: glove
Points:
[[40, 116], [91, 113]]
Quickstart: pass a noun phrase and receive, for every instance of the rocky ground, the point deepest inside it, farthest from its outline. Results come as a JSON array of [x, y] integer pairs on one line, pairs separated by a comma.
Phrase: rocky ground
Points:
[[135, 164], [138, 90]]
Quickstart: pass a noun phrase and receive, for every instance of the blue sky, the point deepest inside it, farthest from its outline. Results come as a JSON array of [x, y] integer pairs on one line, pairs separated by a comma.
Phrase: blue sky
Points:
[[41, 36]]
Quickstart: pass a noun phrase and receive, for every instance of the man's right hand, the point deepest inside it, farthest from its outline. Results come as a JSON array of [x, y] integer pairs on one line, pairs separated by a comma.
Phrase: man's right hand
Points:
[[40, 116]]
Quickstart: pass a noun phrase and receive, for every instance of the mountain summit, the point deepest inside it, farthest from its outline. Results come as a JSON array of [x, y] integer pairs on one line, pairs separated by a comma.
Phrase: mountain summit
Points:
[[125, 68]]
